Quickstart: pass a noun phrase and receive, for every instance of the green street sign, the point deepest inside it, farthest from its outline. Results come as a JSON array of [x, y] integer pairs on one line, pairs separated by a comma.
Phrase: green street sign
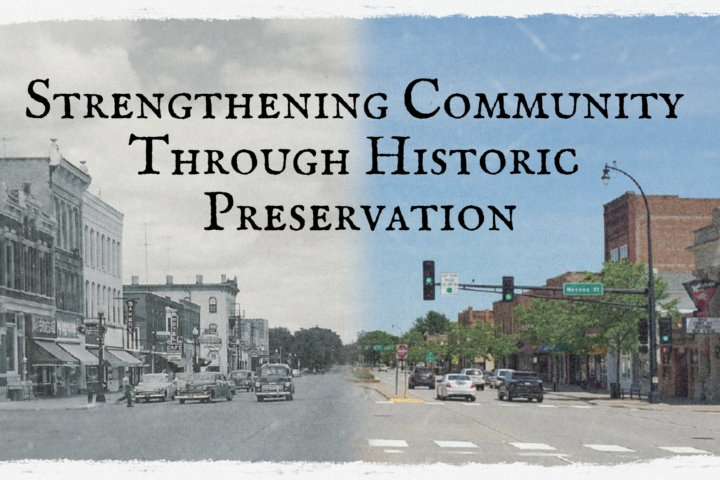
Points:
[[430, 357], [378, 348], [389, 349], [582, 289]]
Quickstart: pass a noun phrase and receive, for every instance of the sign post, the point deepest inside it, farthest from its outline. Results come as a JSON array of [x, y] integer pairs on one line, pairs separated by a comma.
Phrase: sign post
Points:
[[401, 352]]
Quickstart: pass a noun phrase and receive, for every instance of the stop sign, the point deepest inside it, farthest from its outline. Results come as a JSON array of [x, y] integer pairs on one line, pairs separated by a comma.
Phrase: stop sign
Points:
[[401, 351]]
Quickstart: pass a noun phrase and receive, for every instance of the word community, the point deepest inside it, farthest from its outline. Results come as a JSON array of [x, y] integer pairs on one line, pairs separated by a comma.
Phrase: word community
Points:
[[315, 217]]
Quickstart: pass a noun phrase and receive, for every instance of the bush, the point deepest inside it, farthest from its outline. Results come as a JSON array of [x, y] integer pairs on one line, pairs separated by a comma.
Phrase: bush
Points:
[[363, 374]]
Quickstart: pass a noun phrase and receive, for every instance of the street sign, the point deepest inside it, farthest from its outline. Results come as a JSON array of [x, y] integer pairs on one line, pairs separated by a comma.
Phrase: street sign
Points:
[[449, 283], [430, 357], [401, 351], [702, 324], [378, 348], [582, 289]]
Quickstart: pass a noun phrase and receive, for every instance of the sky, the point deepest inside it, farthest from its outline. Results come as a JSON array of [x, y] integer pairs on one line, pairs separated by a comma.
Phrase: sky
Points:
[[347, 280]]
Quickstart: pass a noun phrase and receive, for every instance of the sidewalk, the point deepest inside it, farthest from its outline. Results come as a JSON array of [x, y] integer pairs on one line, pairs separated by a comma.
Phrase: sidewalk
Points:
[[74, 402]]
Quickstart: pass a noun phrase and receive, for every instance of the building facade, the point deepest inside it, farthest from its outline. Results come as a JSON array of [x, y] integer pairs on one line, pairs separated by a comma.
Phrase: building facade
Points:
[[469, 317], [220, 319]]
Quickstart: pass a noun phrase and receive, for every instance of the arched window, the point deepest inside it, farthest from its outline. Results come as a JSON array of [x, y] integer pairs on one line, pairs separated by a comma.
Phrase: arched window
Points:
[[213, 305]]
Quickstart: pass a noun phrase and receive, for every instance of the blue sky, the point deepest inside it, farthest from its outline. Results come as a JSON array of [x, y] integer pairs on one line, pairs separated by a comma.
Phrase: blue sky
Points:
[[558, 220]]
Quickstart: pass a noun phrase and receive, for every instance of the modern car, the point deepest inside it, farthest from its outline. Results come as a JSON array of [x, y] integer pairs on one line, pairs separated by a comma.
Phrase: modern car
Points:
[[518, 384], [382, 368], [274, 381], [243, 379], [455, 385], [476, 375], [497, 376], [155, 386], [421, 376], [206, 387]]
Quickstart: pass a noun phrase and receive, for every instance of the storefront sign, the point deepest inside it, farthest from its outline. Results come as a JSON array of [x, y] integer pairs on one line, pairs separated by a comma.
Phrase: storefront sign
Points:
[[130, 315], [66, 328], [702, 324], [44, 326], [701, 293]]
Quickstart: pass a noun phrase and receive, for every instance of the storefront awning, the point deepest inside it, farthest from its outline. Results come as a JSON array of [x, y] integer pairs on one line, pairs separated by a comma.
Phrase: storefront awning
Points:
[[77, 351], [181, 362], [109, 359], [49, 354], [129, 359]]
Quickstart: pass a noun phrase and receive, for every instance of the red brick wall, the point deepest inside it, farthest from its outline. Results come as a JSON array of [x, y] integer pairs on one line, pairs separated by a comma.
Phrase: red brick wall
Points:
[[673, 221]]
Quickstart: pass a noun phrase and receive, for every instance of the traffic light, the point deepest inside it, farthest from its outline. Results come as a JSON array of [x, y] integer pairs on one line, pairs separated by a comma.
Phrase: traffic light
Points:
[[508, 289], [665, 328], [428, 280], [643, 330]]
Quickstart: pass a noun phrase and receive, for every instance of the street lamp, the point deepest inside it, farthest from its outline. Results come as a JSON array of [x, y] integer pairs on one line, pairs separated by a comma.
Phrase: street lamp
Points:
[[196, 338], [653, 397], [100, 397]]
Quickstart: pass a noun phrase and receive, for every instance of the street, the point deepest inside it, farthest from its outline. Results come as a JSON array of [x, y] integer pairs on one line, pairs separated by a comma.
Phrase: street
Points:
[[333, 420]]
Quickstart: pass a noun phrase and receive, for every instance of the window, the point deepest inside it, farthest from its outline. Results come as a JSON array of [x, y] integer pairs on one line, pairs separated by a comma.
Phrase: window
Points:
[[213, 305], [623, 252], [614, 255]]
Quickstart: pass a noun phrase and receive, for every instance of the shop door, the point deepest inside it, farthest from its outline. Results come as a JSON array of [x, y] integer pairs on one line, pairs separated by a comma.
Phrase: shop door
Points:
[[681, 373]]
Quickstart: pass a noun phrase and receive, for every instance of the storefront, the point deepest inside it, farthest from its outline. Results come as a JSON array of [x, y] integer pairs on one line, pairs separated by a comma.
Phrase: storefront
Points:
[[88, 364], [51, 369]]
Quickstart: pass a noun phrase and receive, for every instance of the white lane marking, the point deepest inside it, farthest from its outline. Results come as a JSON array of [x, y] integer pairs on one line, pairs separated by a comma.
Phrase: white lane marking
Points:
[[459, 452], [393, 451], [470, 404], [547, 406], [386, 402], [683, 450], [433, 403], [454, 444], [508, 404], [581, 406], [532, 446], [375, 442], [609, 448]]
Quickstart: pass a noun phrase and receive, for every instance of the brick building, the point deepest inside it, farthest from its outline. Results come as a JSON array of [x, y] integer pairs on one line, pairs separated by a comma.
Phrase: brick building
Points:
[[673, 221], [469, 317]]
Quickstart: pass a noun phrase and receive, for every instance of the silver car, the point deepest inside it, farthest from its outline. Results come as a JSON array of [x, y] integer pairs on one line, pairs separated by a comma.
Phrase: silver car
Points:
[[455, 385], [498, 375], [156, 386], [476, 375]]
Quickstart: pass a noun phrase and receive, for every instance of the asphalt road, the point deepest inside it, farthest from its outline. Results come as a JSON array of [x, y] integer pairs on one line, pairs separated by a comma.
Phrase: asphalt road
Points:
[[317, 426], [331, 420], [559, 431]]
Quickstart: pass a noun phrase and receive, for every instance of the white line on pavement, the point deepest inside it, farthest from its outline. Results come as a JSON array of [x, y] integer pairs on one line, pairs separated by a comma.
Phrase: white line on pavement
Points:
[[532, 446], [374, 442], [691, 450], [454, 444], [609, 448]]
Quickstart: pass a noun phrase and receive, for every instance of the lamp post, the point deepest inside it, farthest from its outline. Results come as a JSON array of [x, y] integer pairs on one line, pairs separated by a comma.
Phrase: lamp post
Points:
[[100, 397], [653, 397], [196, 338]]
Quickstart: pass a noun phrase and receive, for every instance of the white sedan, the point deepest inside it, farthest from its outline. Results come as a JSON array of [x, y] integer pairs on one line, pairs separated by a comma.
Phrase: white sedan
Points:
[[455, 385]]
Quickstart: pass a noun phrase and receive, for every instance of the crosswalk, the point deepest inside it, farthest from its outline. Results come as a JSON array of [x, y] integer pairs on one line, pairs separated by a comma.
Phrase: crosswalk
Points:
[[491, 404], [524, 448]]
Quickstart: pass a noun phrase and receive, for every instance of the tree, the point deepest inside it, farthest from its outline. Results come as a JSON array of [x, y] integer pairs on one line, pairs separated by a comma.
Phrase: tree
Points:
[[432, 323], [609, 322], [367, 341]]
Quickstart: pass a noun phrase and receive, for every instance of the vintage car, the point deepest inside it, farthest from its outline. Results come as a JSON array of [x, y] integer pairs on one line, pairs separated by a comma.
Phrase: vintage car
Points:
[[157, 386], [205, 387], [517, 384], [243, 379], [181, 379], [274, 381]]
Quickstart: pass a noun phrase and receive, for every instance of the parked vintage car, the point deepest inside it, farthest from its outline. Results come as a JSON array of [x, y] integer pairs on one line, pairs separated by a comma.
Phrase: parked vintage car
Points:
[[476, 375], [180, 380], [274, 381], [155, 386], [457, 386], [518, 384], [205, 387], [243, 379]]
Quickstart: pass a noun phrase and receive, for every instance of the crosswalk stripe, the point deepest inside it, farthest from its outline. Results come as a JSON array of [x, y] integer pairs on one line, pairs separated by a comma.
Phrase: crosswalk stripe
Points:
[[532, 446], [471, 404], [454, 444], [547, 406], [608, 448], [392, 451], [434, 403], [387, 402], [684, 450], [581, 406], [375, 442]]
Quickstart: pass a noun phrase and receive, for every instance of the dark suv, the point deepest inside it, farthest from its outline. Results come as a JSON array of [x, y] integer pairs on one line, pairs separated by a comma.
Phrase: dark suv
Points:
[[422, 376], [517, 384]]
